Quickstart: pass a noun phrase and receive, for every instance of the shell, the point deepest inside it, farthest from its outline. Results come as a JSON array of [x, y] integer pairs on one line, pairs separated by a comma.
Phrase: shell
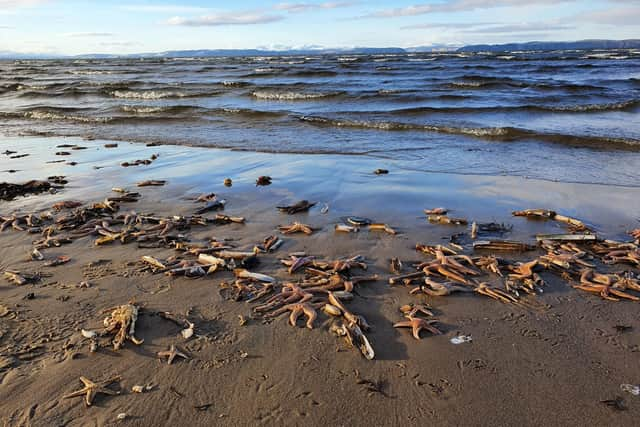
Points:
[[188, 332], [88, 333], [332, 310], [137, 389]]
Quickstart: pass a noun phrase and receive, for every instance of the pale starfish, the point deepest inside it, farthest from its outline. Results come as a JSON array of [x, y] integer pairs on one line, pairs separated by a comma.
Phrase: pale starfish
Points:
[[418, 325], [91, 389], [297, 310], [296, 227], [171, 354]]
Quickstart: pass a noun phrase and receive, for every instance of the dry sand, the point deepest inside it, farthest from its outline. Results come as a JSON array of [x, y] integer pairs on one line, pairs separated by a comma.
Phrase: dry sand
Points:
[[525, 367]]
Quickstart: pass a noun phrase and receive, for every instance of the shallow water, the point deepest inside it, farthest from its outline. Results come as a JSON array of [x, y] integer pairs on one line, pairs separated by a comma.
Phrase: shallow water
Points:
[[571, 116]]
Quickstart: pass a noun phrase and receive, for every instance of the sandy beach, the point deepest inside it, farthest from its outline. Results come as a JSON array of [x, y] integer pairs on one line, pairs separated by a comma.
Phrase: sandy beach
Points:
[[552, 365]]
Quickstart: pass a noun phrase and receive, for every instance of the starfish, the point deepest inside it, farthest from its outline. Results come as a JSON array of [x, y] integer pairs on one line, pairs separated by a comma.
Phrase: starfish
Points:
[[410, 310], [417, 325], [296, 227], [171, 354], [297, 310], [91, 389]]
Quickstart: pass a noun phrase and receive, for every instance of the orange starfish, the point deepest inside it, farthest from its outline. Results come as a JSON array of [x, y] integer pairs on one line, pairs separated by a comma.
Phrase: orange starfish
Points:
[[91, 389], [418, 325]]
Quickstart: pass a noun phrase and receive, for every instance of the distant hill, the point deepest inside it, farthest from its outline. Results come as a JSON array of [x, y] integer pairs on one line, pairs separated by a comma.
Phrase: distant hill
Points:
[[578, 45], [529, 46]]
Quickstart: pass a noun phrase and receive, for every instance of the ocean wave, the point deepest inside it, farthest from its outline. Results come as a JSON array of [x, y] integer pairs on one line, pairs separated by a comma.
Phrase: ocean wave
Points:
[[292, 96], [148, 94], [573, 108], [503, 134]]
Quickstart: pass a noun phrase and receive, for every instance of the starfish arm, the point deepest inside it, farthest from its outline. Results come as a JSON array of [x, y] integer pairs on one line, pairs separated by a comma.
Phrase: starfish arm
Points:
[[416, 330], [75, 393], [404, 324], [311, 316], [91, 394], [296, 311]]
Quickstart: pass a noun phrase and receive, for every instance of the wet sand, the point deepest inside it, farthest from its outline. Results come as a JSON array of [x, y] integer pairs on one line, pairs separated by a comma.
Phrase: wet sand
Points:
[[530, 367]]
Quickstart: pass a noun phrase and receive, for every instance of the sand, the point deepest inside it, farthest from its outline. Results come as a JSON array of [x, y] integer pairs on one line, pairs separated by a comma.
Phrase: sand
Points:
[[529, 367]]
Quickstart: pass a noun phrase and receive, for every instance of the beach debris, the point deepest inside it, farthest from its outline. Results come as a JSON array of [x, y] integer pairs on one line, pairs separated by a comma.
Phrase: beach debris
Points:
[[212, 205], [503, 245], [616, 403], [382, 227], [574, 224], [188, 331], [121, 416], [36, 255], [622, 328], [141, 388], [325, 208], [111, 145], [152, 183], [344, 228], [381, 171], [566, 237], [301, 206], [63, 153], [411, 310], [269, 244], [263, 180], [91, 389], [245, 274], [88, 333], [436, 211], [296, 227], [206, 197], [354, 337], [417, 325], [21, 278], [461, 339], [122, 323], [242, 320], [171, 354], [474, 230], [60, 260], [443, 219], [630, 388], [228, 182], [359, 221], [9, 191], [395, 265]]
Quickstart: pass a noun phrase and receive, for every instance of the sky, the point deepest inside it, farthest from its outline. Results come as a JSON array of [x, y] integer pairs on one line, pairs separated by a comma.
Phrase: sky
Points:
[[134, 26]]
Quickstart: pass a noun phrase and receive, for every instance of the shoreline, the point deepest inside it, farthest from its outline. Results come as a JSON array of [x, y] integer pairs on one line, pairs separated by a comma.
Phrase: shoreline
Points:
[[560, 361]]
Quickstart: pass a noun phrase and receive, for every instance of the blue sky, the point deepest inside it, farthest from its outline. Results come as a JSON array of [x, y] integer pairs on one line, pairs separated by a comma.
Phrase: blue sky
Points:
[[127, 26]]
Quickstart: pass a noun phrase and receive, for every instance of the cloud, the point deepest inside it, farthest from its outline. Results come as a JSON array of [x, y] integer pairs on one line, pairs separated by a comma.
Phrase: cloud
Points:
[[118, 44], [90, 34], [304, 7], [613, 16], [455, 6], [450, 25], [14, 4], [163, 8], [228, 18], [529, 27]]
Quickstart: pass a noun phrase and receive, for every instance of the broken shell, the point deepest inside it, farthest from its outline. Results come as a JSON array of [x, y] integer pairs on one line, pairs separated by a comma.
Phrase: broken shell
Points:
[[94, 346], [228, 182], [88, 333], [242, 320], [461, 339], [188, 332], [138, 389], [36, 255], [121, 416], [343, 295], [332, 310]]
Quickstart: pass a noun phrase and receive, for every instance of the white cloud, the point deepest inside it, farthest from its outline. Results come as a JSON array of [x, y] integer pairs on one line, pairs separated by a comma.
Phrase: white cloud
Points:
[[455, 6], [227, 18], [89, 34], [304, 7], [614, 16], [529, 27], [11, 4], [163, 8]]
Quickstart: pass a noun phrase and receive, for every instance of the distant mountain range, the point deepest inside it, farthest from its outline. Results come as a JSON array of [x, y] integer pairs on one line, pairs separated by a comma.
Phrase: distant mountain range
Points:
[[509, 47], [532, 46]]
